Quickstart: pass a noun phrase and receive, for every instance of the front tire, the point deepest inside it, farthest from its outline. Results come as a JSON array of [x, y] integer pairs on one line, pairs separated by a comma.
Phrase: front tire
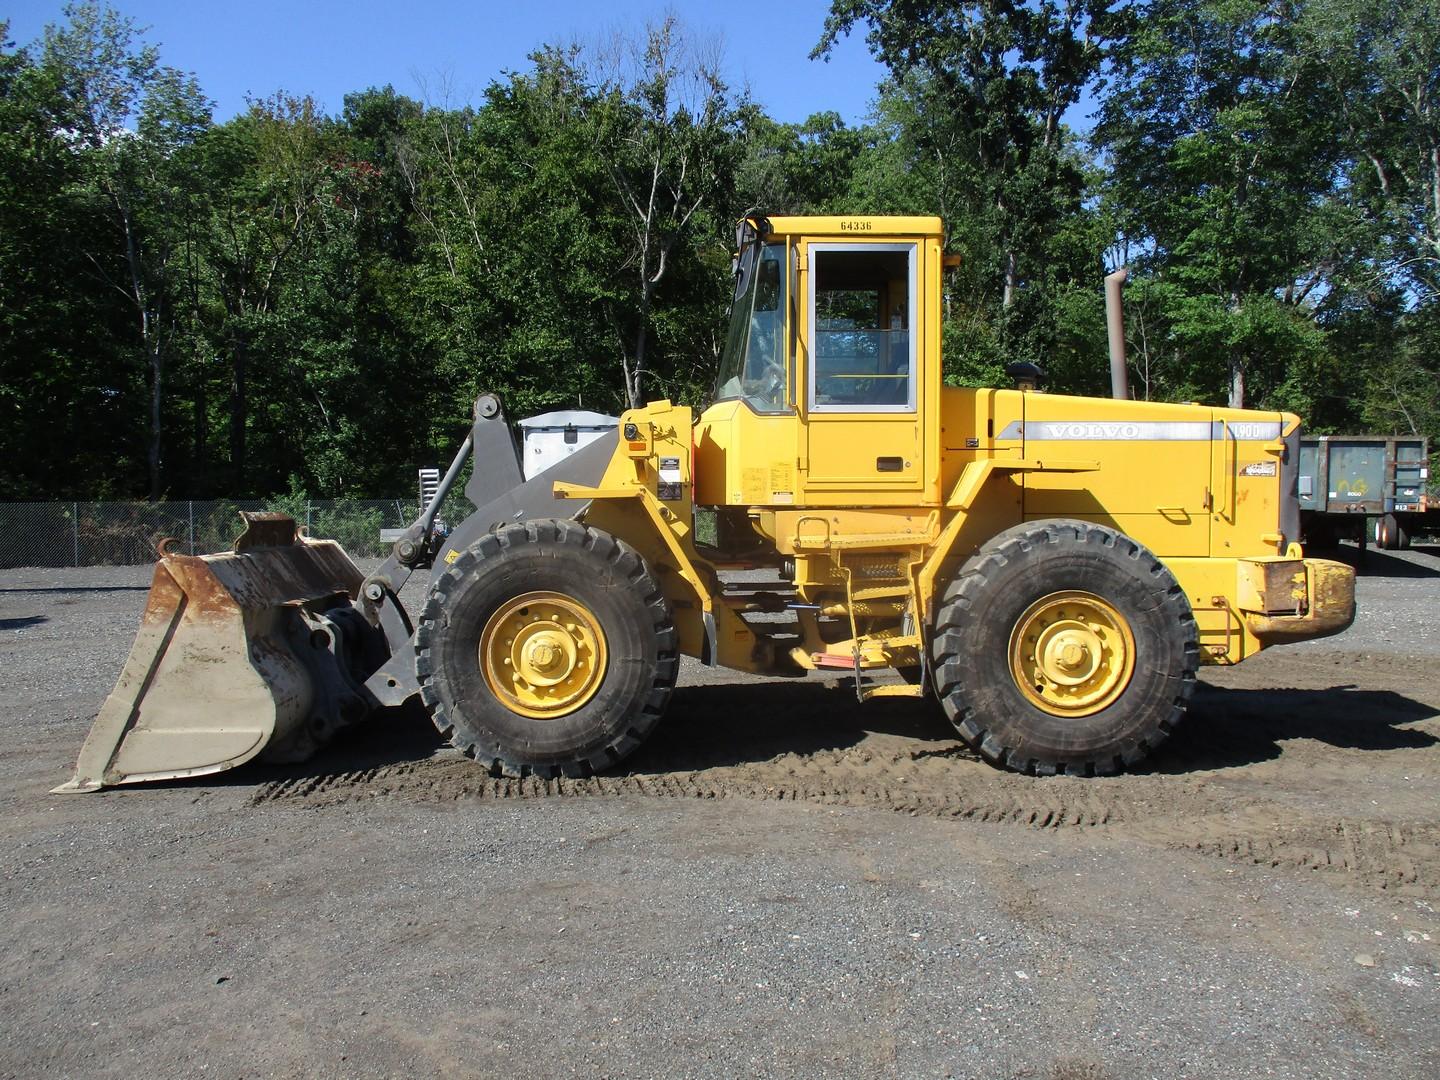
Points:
[[546, 648], [1064, 646]]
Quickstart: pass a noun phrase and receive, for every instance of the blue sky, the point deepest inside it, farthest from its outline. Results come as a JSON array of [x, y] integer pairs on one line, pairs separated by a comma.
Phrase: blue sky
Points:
[[328, 49]]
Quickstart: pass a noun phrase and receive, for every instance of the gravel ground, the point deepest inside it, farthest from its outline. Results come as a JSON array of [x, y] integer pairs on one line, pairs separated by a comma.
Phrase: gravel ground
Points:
[[1396, 611], [783, 883]]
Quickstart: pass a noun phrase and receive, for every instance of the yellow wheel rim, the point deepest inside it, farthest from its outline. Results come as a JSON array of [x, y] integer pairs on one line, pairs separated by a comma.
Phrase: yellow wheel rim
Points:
[[1072, 653], [543, 655]]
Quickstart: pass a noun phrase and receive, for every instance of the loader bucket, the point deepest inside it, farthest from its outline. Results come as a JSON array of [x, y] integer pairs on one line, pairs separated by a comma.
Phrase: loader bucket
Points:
[[255, 650]]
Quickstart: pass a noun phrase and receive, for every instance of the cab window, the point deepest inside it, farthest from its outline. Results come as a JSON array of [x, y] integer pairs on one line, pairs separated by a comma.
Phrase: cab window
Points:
[[861, 314]]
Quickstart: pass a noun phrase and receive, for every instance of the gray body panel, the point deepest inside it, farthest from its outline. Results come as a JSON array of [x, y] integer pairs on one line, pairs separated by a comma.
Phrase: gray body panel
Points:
[[497, 464]]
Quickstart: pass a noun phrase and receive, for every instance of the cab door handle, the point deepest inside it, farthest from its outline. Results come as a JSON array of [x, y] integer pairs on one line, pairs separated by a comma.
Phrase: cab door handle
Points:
[[889, 464]]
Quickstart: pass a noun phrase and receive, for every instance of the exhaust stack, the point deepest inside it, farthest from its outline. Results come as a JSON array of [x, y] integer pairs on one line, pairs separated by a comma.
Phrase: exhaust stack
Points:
[[1115, 324]]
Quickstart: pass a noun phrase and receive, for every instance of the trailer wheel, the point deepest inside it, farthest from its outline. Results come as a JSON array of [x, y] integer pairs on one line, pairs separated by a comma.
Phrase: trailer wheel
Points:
[[1064, 646], [1391, 534], [547, 649]]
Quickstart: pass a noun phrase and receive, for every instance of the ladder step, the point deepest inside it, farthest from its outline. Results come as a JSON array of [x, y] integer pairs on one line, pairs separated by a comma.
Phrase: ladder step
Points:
[[861, 543], [880, 591], [892, 690], [900, 641]]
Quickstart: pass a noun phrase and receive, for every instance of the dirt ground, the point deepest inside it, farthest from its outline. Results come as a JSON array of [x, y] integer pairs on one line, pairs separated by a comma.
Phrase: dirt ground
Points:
[[782, 882]]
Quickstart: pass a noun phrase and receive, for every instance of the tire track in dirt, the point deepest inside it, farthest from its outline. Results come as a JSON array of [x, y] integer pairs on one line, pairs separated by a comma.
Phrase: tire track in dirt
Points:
[[1380, 854], [902, 783], [1178, 813]]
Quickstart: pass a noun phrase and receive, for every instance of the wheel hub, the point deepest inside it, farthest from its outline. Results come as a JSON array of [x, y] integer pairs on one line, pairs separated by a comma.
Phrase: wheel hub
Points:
[[543, 654], [1072, 653]]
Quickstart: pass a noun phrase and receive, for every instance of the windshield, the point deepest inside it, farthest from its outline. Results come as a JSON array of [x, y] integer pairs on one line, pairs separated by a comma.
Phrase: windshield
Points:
[[753, 365]]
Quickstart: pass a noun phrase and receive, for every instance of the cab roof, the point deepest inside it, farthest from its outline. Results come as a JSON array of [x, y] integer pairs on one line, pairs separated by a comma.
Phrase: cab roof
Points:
[[857, 226]]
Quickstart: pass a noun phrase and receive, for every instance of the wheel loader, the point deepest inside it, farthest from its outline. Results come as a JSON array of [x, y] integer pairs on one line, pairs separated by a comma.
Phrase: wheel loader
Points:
[[1051, 570]]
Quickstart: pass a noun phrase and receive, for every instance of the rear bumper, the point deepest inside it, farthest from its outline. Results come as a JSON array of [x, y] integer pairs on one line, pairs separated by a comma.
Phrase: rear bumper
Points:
[[1287, 600]]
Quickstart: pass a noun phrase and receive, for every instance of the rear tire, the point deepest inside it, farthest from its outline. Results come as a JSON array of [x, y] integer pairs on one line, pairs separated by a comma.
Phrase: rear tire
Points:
[[546, 648], [1064, 646]]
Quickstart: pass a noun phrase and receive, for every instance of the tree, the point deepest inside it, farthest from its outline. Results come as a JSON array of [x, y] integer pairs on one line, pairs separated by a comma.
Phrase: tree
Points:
[[992, 81], [1383, 62], [272, 180], [665, 129], [132, 121], [60, 384], [516, 257], [1220, 163], [974, 105], [806, 168]]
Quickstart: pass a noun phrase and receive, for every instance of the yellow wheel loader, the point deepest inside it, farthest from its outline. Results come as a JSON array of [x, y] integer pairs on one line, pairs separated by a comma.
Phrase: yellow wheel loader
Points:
[[1052, 570]]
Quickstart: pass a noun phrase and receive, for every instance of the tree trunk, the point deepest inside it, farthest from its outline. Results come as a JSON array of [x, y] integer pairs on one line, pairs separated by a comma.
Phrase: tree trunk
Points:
[[1237, 383], [196, 464], [149, 339], [634, 388], [157, 371], [1435, 202], [238, 411]]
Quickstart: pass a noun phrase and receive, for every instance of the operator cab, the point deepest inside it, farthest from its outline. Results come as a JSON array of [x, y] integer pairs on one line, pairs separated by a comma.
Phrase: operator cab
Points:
[[824, 395]]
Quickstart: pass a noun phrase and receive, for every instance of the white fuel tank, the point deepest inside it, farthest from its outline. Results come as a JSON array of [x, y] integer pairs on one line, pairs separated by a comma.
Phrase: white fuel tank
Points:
[[551, 437]]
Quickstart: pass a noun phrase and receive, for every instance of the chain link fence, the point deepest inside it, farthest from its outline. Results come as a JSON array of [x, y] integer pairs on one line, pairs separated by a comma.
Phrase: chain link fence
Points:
[[125, 533]]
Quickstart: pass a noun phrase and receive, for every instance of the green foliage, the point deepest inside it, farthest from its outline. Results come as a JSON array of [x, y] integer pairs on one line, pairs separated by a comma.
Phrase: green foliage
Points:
[[1382, 67], [290, 301], [131, 124], [295, 501], [808, 168], [356, 527], [217, 527], [1218, 161], [63, 383]]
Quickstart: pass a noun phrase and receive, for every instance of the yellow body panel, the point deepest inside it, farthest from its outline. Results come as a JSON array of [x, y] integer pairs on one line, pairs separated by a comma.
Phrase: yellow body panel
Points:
[[1153, 478], [840, 458], [839, 453], [971, 424], [766, 475], [1245, 470]]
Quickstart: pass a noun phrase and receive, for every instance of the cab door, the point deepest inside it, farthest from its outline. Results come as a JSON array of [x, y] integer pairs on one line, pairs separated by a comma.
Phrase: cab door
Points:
[[862, 395]]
